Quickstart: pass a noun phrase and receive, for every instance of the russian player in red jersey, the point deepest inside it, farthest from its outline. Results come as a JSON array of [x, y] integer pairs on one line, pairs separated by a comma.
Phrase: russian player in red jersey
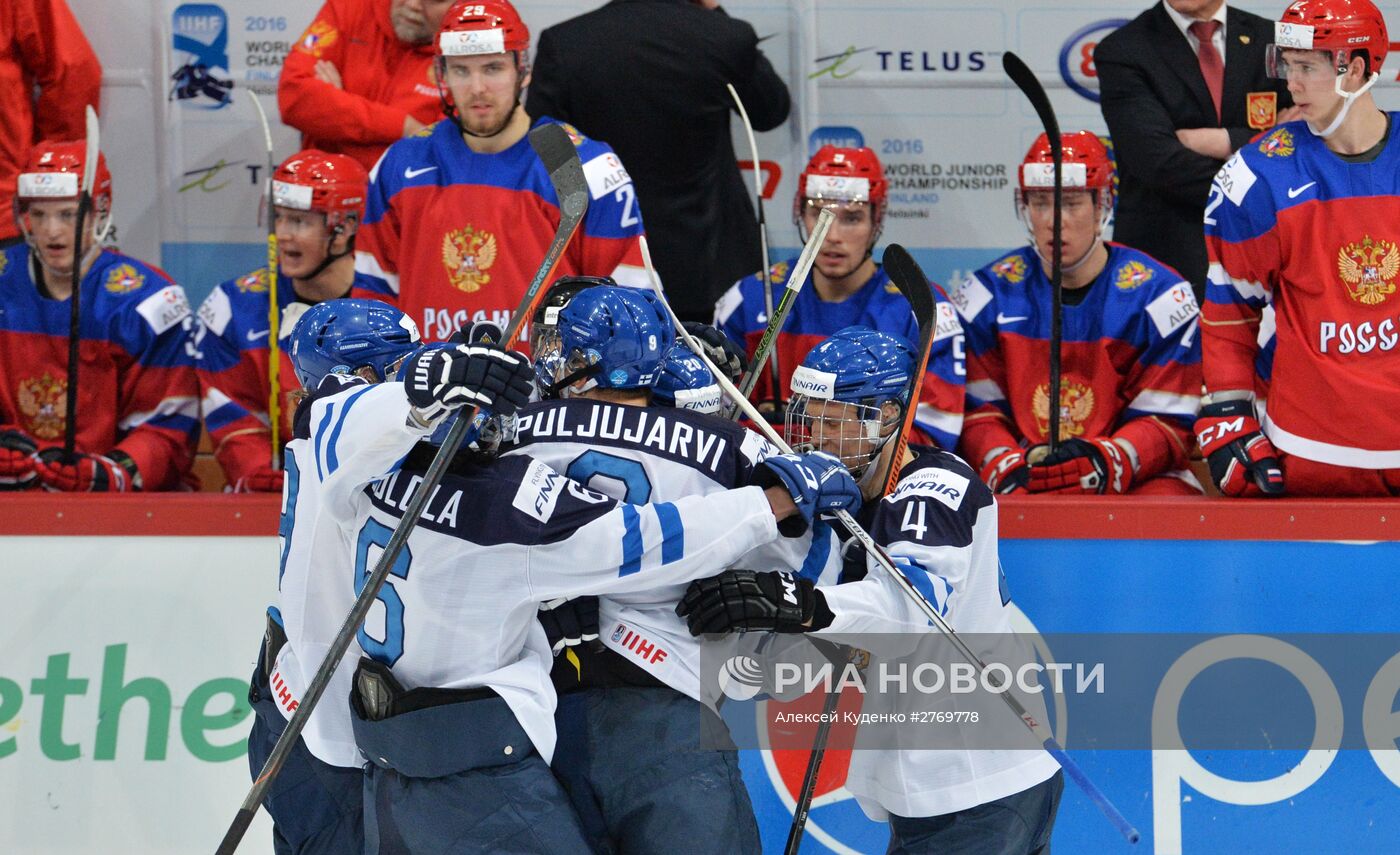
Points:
[[1300, 323], [318, 199], [1131, 375], [138, 416], [847, 288], [460, 215]]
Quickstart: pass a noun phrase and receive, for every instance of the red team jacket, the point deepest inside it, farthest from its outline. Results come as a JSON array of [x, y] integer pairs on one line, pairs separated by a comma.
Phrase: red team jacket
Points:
[[1304, 259], [41, 46], [230, 345], [454, 237], [137, 389], [878, 305], [1130, 360], [384, 81]]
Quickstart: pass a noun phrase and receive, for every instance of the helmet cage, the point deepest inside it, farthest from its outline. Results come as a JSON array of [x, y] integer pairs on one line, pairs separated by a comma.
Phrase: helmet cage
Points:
[[851, 433]]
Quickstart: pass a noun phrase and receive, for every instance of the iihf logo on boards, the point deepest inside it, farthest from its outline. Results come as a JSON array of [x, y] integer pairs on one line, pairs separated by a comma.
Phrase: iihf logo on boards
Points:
[[200, 43]]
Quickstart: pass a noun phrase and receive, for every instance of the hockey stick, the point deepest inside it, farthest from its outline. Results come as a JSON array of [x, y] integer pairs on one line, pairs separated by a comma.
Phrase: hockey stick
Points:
[[1036, 727], [906, 275], [1026, 81], [766, 274], [274, 314], [75, 315], [777, 316], [560, 157]]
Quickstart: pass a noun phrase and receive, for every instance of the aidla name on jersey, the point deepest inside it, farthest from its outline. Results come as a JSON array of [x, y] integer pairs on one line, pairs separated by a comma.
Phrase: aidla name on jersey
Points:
[[628, 424], [441, 508], [1358, 338]]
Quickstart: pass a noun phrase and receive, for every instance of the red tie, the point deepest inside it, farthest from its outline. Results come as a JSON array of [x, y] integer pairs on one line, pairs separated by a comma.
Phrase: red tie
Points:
[[1212, 66]]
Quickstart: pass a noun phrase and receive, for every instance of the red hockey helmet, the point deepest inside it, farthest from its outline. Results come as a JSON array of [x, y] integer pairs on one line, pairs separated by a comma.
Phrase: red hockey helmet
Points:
[[314, 180], [846, 175], [1085, 165], [55, 171], [1346, 28], [476, 27]]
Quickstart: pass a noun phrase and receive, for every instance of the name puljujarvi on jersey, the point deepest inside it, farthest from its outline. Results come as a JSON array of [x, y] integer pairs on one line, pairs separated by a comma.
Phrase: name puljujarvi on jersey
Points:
[[630, 425]]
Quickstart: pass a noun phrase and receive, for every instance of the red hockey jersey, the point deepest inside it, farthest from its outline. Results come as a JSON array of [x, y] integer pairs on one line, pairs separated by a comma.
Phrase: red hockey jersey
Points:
[[1292, 227], [136, 383]]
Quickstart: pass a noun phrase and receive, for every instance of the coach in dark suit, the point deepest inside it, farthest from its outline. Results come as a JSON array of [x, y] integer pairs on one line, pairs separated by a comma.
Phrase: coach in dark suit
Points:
[[647, 77], [1175, 115]]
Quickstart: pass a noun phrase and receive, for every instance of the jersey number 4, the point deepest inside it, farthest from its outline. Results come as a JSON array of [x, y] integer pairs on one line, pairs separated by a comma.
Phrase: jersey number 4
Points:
[[390, 648]]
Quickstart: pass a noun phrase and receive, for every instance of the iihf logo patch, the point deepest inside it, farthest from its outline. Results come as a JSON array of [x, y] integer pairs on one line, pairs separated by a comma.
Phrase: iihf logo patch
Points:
[[617, 633]]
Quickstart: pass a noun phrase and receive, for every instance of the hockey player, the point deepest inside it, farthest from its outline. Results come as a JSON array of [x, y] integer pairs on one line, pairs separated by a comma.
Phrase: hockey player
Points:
[[347, 433], [847, 287], [631, 750], [1130, 355], [318, 199], [1304, 252], [138, 415], [459, 214], [685, 382], [940, 524], [454, 708]]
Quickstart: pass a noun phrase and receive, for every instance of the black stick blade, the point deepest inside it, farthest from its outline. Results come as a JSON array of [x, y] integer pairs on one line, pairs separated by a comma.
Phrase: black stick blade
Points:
[[1029, 84], [556, 150]]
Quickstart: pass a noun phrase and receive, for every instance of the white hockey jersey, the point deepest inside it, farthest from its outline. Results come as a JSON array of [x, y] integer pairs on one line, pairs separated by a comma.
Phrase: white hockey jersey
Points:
[[496, 539], [944, 519], [347, 435], [659, 454]]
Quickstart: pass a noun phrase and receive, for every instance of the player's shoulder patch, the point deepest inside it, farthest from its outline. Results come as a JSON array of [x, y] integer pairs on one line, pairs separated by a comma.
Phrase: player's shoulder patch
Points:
[[123, 278], [1236, 178], [252, 283], [1173, 308], [934, 482], [779, 272], [165, 308], [216, 311], [575, 135], [946, 324], [1010, 268], [539, 491], [1279, 143], [970, 297], [605, 174]]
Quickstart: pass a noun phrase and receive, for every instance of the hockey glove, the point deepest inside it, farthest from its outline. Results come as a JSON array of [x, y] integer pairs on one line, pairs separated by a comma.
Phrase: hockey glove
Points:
[[719, 349], [1097, 465], [17, 461], [438, 380], [743, 600], [817, 482], [1006, 471], [1242, 460], [114, 472], [478, 332], [264, 480], [569, 622]]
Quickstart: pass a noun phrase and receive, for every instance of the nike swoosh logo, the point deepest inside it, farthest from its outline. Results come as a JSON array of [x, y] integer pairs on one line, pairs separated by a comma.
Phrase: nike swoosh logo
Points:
[[254, 336], [1293, 192], [1003, 319], [414, 173]]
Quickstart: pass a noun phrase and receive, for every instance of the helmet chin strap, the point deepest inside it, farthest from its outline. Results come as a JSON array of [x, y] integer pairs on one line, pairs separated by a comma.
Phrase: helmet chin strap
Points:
[[331, 257], [1348, 98]]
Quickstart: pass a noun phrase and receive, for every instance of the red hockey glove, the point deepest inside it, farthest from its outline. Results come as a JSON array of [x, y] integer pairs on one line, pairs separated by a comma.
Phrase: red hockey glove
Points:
[[1007, 471], [1242, 460], [16, 459], [86, 473], [1097, 465], [264, 480]]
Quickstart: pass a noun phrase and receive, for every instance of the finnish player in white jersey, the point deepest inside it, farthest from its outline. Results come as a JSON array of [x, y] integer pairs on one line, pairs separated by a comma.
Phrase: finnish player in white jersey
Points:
[[632, 747], [940, 524], [347, 433]]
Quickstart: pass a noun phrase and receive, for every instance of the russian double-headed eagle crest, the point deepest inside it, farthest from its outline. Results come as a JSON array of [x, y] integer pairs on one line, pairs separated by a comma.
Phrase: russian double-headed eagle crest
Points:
[[1131, 275], [1012, 269], [1076, 406], [468, 253], [1369, 268], [44, 404], [123, 279], [1277, 144]]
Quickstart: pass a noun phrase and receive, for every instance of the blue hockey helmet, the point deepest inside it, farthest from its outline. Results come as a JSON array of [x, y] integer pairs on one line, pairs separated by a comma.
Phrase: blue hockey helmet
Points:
[[616, 337], [347, 336], [862, 370], [686, 383]]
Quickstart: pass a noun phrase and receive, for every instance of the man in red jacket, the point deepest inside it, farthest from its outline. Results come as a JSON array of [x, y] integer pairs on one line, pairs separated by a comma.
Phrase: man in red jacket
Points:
[[361, 76], [41, 47]]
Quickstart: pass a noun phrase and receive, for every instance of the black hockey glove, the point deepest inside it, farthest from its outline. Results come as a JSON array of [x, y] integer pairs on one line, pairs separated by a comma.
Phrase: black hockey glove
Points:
[[570, 622], [743, 600], [477, 332], [719, 349], [438, 380]]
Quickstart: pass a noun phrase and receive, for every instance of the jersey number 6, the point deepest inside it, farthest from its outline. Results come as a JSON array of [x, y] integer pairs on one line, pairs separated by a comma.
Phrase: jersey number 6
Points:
[[388, 651]]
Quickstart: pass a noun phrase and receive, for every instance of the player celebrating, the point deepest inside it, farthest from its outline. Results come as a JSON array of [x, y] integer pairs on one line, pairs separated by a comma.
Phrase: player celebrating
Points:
[[1130, 355], [457, 215], [847, 287], [318, 199], [139, 415], [347, 434], [1304, 251], [630, 746], [940, 523]]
